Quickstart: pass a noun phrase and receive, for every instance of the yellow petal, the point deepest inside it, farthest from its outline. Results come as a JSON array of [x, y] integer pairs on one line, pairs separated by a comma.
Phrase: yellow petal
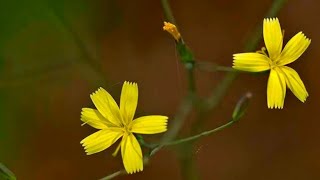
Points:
[[101, 140], [107, 106], [276, 90], [251, 62], [294, 49], [295, 83], [94, 118], [131, 154], [273, 38], [150, 124], [129, 101]]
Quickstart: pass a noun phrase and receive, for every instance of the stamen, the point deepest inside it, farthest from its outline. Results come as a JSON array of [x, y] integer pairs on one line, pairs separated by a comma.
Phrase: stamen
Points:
[[263, 51], [114, 154]]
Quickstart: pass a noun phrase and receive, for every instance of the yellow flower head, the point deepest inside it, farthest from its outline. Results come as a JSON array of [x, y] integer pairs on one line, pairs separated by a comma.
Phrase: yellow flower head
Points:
[[172, 29], [275, 60], [115, 123]]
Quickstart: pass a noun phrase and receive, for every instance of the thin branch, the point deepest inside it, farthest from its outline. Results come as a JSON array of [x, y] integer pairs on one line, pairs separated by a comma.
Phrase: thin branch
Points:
[[167, 11], [91, 63], [212, 67], [186, 57], [115, 174], [177, 121], [205, 133]]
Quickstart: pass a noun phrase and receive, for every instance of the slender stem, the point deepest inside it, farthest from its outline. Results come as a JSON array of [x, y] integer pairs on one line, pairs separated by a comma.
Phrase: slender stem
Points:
[[177, 122], [186, 57], [205, 133], [115, 174], [253, 42], [91, 63], [191, 81], [167, 11], [212, 67], [221, 90]]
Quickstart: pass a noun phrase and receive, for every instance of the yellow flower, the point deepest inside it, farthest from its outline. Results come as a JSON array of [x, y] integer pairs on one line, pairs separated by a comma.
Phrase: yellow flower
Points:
[[275, 60], [172, 29], [114, 122]]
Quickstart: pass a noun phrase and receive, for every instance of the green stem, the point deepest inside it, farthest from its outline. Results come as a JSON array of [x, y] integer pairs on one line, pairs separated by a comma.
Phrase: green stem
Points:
[[205, 133], [253, 42], [187, 166], [115, 174], [187, 58], [212, 67], [221, 90], [167, 11], [91, 66], [191, 82], [177, 122]]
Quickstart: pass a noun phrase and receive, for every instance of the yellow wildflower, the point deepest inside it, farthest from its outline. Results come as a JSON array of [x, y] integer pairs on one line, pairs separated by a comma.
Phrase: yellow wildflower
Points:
[[172, 29], [114, 122], [275, 60]]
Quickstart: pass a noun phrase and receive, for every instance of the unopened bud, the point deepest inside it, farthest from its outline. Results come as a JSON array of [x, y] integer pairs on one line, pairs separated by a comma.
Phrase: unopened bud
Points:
[[172, 29], [241, 106]]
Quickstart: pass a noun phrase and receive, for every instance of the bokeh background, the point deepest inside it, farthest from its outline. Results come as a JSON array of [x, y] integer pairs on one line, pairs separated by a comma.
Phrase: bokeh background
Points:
[[54, 53]]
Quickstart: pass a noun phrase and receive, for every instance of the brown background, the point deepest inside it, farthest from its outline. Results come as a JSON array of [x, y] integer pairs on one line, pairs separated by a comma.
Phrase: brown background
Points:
[[46, 78]]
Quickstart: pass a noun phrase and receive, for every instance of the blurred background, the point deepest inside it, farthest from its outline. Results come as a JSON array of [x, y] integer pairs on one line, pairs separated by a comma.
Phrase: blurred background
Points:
[[54, 53]]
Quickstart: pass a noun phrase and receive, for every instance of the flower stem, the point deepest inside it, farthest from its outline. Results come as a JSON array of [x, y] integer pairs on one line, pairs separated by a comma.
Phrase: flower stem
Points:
[[205, 133], [90, 64], [177, 122], [115, 174], [167, 11], [186, 57], [212, 67]]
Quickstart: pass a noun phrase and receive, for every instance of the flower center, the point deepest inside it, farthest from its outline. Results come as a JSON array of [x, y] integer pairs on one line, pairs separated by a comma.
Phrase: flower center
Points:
[[272, 64], [127, 129]]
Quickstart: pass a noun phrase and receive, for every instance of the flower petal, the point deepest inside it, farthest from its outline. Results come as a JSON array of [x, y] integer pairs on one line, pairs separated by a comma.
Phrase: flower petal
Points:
[[150, 124], [276, 90], [294, 49], [252, 62], [94, 118], [128, 101], [272, 36], [295, 83], [131, 154], [107, 106], [101, 140]]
